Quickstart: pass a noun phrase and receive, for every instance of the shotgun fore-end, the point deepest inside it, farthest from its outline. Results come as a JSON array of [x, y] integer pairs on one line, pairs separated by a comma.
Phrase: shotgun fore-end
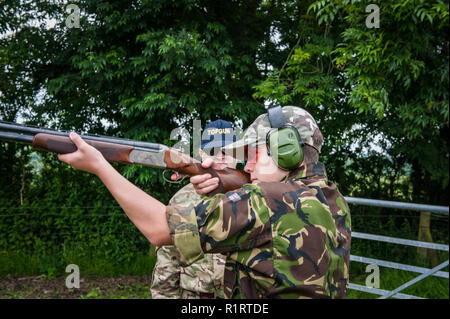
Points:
[[63, 145]]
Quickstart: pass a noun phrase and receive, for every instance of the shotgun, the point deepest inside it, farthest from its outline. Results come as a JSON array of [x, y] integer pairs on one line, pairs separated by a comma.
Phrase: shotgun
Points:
[[124, 151]]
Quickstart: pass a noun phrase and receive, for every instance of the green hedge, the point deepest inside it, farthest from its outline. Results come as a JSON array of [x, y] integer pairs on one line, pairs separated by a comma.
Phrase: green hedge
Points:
[[66, 210]]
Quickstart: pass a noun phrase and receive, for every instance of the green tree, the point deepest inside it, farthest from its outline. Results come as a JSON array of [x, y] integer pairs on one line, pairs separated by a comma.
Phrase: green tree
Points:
[[384, 86], [142, 67]]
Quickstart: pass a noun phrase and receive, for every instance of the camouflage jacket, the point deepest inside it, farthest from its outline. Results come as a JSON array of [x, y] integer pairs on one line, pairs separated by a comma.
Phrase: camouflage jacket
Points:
[[172, 281], [288, 239]]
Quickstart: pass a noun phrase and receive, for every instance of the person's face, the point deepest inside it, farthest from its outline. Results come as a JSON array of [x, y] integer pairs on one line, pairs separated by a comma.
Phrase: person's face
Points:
[[220, 159], [261, 166]]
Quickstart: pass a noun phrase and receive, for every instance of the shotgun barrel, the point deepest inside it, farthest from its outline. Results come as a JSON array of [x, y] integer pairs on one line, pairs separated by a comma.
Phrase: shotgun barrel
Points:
[[125, 151], [33, 130], [16, 137]]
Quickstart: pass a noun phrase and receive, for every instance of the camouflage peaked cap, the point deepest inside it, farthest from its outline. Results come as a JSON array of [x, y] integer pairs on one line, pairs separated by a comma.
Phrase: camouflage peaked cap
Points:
[[257, 131]]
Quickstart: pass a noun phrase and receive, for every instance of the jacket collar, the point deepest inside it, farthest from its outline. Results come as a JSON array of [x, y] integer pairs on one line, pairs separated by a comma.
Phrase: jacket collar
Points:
[[307, 170]]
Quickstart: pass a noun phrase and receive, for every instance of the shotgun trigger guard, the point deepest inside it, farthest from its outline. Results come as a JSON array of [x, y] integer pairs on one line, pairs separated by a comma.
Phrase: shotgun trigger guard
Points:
[[177, 181]]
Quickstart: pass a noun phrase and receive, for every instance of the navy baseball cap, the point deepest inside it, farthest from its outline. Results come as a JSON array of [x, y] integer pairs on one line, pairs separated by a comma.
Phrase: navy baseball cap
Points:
[[217, 134]]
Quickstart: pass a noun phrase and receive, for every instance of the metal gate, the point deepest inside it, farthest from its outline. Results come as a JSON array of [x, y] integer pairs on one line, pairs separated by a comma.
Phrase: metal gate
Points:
[[424, 272]]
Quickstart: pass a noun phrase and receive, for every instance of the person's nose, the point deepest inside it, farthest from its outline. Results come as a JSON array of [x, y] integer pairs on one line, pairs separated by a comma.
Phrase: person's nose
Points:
[[249, 167]]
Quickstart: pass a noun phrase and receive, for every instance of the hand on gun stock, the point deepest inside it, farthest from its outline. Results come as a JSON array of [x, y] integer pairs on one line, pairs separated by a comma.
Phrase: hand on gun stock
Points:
[[86, 157], [205, 183]]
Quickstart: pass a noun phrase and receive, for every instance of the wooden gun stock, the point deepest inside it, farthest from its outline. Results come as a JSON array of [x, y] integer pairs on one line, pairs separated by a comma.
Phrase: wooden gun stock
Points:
[[63, 144], [229, 179]]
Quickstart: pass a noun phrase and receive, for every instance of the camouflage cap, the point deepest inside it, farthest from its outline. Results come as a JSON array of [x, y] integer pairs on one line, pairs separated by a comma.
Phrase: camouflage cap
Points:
[[257, 131]]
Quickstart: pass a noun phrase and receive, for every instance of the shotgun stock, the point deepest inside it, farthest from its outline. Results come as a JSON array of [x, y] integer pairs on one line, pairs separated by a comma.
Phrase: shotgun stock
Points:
[[124, 151]]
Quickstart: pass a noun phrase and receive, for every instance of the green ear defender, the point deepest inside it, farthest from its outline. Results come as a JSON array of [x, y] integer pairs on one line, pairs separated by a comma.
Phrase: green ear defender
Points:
[[284, 143], [286, 147]]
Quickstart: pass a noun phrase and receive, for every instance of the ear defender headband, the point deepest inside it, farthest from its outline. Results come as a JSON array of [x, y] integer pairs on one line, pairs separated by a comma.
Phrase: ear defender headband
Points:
[[283, 141]]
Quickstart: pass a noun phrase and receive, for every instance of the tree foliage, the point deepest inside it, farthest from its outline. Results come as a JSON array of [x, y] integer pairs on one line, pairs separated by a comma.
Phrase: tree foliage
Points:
[[385, 86]]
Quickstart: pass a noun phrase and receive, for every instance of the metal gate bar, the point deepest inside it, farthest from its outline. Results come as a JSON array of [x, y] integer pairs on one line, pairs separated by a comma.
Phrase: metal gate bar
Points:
[[444, 210], [425, 272], [390, 264], [395, 240], [380, 292], [417, 279]]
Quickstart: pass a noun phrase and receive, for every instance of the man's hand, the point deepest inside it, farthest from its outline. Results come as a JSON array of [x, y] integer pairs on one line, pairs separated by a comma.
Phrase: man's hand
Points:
[[204, 184], [86, 158]]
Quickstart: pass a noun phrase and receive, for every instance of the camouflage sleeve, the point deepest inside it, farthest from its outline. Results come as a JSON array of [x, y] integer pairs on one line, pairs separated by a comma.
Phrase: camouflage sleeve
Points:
[[225, 223], [184, 232], [166, 275]]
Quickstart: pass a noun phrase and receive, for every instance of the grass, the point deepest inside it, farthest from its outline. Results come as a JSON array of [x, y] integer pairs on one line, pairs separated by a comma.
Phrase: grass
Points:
[[122, 292], [54, 264], [121, 287], [15, 264]]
